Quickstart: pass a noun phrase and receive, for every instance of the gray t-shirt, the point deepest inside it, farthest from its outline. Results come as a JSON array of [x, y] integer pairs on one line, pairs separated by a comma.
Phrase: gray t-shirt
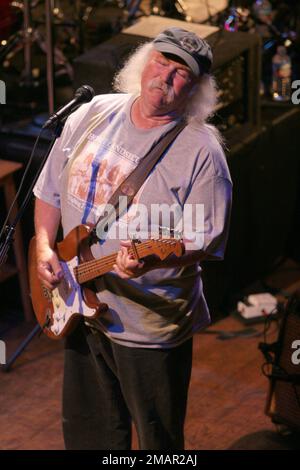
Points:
[[164, 307]]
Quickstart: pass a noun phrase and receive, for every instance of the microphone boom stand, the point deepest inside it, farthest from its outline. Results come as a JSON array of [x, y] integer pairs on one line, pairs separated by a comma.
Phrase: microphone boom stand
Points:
[[9, 231]]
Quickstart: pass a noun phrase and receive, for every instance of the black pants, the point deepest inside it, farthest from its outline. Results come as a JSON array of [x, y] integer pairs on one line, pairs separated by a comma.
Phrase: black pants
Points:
[[106, 384]]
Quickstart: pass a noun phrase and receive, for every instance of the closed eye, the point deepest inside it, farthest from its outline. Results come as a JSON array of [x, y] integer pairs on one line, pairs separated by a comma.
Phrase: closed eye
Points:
[[161, 62], [183, 73]]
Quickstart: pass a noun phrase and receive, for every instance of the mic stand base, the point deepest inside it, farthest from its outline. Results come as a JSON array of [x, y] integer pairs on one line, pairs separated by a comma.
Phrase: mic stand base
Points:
[[20, 349]]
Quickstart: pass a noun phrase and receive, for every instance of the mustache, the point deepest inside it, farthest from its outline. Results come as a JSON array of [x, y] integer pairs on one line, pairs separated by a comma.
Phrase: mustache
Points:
[[166, 89]]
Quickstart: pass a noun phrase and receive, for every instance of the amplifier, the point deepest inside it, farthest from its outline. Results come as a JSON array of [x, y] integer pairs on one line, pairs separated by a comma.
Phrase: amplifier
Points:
[[283, 403], [237, 62], [236, 67]]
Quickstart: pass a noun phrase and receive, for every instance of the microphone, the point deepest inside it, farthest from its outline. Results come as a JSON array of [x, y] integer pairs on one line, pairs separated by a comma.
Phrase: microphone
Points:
[[84, 94]]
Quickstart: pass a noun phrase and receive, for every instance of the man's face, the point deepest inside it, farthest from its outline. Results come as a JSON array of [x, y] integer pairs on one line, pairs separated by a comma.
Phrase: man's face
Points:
[[166, 82]]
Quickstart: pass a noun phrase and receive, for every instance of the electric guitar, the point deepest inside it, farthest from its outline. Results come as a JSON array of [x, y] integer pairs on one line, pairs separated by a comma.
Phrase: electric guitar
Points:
[[59, 310]]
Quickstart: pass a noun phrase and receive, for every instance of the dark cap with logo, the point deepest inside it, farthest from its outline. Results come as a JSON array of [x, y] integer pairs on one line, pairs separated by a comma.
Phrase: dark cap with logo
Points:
[[193, 50]]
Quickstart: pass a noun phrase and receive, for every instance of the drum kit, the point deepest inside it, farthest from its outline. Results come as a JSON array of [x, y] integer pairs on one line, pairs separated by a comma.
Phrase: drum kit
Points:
[[52, 30]]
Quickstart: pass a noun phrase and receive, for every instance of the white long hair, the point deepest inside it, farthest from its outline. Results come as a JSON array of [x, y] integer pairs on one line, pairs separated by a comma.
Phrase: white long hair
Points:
[[199, 107]]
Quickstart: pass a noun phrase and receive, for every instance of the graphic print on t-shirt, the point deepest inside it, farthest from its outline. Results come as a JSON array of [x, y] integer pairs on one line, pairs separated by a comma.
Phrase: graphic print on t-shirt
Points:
[[98, 171]]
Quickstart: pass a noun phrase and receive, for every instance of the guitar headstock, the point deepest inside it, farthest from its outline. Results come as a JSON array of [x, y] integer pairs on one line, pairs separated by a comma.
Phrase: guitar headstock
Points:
[[163, 247]]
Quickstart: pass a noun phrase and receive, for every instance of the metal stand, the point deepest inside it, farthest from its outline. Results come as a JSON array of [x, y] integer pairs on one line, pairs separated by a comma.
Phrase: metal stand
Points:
[[24, 40], [50, 55], [20, 349], [5, 245], [9, 229]]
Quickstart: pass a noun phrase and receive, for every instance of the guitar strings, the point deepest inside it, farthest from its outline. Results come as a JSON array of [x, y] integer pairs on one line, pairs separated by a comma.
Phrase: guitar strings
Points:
[[86, 265], [84, 271], [110, 258], [104, 260]]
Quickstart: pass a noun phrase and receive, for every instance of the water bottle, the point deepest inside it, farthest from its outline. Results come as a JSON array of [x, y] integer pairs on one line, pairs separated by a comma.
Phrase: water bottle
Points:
[[263, 11], [281, 75]]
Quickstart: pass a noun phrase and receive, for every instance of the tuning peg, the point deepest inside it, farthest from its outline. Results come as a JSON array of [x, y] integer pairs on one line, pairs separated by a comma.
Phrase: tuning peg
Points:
[[169, 232], [136, 255], [134, 238], [164, 231]]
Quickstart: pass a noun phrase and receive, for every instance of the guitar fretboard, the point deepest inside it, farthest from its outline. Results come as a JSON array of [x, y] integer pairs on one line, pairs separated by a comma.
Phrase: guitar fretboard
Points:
[[89, 270]]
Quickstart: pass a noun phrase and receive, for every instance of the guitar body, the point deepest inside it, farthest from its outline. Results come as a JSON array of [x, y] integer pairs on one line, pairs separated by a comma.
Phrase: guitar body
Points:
[[58, 311]]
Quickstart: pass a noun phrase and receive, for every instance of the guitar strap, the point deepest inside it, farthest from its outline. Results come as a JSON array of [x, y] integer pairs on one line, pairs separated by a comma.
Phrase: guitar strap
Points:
[[132, 183]]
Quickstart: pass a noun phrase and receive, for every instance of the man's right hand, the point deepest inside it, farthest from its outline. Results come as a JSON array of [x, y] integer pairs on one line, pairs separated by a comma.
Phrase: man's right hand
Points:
[[48, 267], [46, 220]]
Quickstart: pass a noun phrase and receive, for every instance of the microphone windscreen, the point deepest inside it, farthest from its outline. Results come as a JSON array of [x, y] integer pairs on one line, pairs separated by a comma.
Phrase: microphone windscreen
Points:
[[86, 93]]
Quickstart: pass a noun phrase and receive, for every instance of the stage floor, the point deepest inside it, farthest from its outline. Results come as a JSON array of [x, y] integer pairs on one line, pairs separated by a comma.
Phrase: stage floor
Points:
[[226, 399]]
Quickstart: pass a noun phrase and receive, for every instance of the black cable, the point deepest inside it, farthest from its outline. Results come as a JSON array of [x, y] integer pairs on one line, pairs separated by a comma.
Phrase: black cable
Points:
[[21, 183], [5, 244]]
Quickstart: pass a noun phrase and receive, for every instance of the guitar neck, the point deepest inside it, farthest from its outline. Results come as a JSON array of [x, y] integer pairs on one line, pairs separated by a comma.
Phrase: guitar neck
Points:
[[89, 270]]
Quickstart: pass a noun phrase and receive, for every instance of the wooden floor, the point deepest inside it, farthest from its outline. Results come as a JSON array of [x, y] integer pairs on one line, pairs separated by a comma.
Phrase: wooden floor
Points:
[[226, 400]]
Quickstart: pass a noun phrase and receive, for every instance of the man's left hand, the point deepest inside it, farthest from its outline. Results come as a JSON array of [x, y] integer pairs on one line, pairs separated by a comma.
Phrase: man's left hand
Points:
[[127, 266]]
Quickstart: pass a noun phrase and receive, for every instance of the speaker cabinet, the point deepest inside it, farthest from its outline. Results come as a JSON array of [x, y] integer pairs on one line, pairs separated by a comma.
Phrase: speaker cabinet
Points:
[[283, 404]]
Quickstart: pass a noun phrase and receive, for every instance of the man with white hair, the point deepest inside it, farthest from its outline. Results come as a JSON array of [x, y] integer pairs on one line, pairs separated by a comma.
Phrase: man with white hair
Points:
[[134, 362]]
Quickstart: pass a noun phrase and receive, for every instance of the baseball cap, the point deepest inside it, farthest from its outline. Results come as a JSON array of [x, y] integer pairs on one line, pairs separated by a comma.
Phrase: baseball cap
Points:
[[195, 52]]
